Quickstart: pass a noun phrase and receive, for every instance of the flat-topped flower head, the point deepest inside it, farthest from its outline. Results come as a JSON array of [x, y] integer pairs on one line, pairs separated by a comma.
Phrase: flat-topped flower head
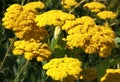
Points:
[[102, 40], [34, 5], [106, 15], [68, 3], [32, 49], [77, 40], [53, 17], [73, 26], [63, 69], [94, 6], [35, 33], [97, 39], [22, 21], [112, 75], [86, 20], [11, 16]]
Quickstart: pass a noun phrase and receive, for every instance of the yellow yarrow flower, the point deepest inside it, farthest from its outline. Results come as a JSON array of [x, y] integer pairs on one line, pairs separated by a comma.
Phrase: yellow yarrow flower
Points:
[[71, 26], [86, 20], [53, 17], [10, 16], [68, 3], [35, 33], [34, 5], [101, 41], [92, 39], [94, 6], [18, 51], [22, 21], [84, 33], [89, 74], [112, 75], [77, 40], [21, 16], [32, 49], [106, 15], [63, 69]]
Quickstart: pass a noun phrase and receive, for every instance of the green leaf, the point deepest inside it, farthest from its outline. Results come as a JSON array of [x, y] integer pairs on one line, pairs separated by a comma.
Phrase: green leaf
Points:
[[104, 64], [117, 39], [53, 43], [114, 61]]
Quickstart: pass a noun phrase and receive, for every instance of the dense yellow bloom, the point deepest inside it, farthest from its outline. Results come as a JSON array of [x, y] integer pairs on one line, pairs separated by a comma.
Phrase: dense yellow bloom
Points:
[[9, 21], [77, 40], [63, 69], [35, 33], [53, 17], [102, 40], [89, 74], [94, 6], [112, 75], [32, 49], [92, 39], [86, 20], [68, 3], [73, 26], [34, 5], [106, 15], [27, 27], [22, 20]]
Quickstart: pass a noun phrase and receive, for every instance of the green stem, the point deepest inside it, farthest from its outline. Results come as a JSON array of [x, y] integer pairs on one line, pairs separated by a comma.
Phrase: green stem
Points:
[[44, 77], [57, 32], [28, 1], [118, 66], [21, 71], [23, 2], [7, 52], [55, 38], [76, 6]]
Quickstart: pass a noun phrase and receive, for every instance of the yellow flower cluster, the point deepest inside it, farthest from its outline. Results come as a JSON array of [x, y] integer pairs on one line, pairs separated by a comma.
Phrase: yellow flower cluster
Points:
[[112, 75], [78, 23], [21, 19], [35, 33], [89, 36], [53, 17], [68, 3], [34, 5], [94, 6], [32, 49], [64, 69], [103, 40], [106, 15], [89, 74], [9, 21]]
